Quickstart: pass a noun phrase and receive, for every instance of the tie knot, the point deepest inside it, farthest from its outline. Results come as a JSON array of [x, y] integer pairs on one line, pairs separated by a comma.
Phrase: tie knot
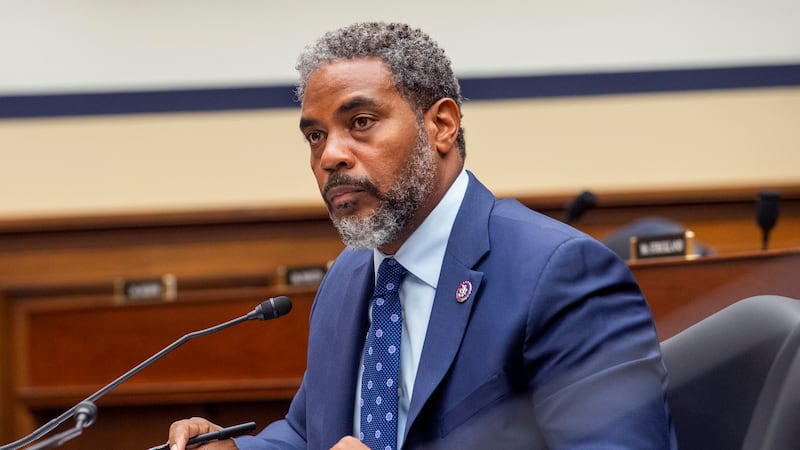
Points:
[[390, 275]]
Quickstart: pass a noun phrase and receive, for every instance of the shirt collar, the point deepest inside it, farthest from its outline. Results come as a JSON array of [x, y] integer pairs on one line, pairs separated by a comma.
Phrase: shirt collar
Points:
[[423, 252]]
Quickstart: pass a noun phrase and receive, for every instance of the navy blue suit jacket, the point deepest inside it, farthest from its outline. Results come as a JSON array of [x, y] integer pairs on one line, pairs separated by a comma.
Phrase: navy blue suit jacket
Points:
[[555, 347]]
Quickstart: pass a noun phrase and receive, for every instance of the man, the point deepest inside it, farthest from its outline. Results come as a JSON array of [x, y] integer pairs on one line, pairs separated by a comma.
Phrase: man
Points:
[[517, 330]]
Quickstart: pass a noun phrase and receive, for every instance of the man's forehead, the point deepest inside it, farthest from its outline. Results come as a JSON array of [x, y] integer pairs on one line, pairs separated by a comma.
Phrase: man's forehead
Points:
[[348, 83], [356, 61], [344, 72]]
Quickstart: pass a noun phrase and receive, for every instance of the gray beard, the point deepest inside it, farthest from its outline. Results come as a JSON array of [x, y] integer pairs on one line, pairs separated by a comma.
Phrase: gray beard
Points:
[[396, 207]]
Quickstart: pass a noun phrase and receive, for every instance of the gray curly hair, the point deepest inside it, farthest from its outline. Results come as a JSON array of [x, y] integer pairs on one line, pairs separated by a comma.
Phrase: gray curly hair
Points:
[[420, 68]]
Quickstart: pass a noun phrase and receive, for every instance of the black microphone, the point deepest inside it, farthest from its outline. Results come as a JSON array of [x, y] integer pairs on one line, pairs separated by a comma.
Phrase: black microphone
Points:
[[267, 310], [576, 208], [767, 213], [271, 309]]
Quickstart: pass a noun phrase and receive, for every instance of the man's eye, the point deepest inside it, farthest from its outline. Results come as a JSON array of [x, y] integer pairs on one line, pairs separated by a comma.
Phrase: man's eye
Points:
[[362, 122], [314, 137]]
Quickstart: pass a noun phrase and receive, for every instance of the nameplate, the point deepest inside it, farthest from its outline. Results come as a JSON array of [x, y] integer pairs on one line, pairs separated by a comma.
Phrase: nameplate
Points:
[[662, 246], [164, 288], [302, 276]]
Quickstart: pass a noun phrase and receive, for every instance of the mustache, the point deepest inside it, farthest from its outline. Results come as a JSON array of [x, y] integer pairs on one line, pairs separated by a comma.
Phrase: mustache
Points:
[[340, 179]]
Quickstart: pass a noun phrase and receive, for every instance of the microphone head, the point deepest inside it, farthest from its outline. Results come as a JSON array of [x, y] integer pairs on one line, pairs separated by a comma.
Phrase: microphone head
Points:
[[583, 202], [273, 308], [767, 209]]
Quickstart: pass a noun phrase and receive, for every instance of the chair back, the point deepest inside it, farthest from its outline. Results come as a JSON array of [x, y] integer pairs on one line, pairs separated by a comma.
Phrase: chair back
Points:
[[735, 377]]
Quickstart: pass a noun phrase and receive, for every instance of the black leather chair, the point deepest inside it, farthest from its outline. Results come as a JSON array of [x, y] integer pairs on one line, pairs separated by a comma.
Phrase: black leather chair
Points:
[[735, 377]]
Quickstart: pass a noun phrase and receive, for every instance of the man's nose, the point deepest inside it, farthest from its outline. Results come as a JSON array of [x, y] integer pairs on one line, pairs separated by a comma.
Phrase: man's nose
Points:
[[338, 153]]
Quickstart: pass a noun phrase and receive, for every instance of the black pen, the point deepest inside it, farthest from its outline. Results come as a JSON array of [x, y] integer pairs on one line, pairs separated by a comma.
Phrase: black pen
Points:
[[224, 433]]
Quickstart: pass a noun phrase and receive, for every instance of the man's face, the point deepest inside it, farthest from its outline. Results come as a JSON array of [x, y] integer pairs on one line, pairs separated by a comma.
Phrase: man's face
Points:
[[369, 153]]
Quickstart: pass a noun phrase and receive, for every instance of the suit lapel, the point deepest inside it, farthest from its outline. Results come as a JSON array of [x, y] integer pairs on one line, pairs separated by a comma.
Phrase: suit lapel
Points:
[[468, 243], [350, 322]]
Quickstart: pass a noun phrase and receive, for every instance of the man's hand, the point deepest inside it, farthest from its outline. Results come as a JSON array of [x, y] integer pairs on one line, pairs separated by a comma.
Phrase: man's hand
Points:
[[349, 443], [182, 430]]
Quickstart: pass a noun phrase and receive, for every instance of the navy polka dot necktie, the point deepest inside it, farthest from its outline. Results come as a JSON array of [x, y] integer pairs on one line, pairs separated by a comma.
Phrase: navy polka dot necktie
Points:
[[379, 382]]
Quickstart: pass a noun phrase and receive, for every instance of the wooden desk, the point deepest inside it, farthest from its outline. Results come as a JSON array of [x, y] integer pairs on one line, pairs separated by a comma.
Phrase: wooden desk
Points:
[[681, 292], [65, 348], [251, 371]]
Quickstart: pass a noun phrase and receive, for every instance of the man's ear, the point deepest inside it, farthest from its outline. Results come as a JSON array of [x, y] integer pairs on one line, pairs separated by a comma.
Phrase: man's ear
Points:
[[443, 119]]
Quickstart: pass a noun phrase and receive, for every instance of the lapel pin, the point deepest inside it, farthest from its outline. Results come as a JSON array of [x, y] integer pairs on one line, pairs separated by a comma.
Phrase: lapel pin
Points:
[[464, 291]]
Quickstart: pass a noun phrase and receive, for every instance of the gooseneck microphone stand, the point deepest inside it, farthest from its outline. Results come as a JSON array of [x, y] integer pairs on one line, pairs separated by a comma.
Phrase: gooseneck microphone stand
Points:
[[268, 309]]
